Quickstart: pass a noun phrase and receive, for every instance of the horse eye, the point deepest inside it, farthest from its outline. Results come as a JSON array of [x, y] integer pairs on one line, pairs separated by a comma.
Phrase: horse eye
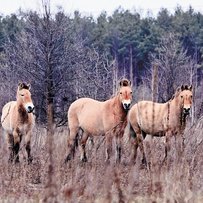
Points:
[[131, 92], [181, 96], [120, 93], [22, 95]]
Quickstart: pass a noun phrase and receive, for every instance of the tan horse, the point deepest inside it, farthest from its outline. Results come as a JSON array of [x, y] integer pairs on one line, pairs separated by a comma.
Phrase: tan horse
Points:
[[159, 119], [17, 120], [99, 118]]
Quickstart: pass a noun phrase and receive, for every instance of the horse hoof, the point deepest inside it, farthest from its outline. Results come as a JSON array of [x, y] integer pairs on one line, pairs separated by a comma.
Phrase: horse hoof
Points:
[[30, 159], [67, 159], [17, 161], [164, 162], [118, 162], [10, 160], [144, 162], [84, 159], [107, 161]]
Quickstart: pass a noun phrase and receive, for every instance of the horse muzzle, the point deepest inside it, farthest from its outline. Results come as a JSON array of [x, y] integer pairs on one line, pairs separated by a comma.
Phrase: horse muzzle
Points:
[[29, 108], [186, 111], [126, 106]]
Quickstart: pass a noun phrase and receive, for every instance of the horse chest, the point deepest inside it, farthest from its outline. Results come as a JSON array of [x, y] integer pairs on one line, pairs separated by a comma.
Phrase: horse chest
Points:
[[23, 128]]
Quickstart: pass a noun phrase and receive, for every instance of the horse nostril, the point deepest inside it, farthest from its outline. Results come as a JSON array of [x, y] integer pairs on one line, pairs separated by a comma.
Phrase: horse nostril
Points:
[[126, 106], [30, 108], [186, 110]]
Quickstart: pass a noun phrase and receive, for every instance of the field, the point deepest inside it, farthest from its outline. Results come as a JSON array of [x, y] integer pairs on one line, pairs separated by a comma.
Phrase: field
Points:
[[181, 180]]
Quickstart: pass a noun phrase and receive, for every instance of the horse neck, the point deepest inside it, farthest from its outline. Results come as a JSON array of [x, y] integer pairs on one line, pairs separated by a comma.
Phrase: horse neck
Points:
[[22, 113], [177, 112], [118, 108]]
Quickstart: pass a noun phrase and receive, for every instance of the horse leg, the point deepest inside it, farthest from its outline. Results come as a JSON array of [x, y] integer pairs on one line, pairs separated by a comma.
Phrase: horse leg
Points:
[[83, 141], [91, 140], [141, 146], [17, 139], [144, 161], [71, 143], [118, 149], [182, 142], [10, 144], [108, 147], [167, 145], [137, 141], [28, 148], [134, 145]]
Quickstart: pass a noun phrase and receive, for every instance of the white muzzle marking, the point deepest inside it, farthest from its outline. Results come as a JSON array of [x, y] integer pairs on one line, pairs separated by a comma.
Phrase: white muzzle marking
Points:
[[126, 103], [29, 107]]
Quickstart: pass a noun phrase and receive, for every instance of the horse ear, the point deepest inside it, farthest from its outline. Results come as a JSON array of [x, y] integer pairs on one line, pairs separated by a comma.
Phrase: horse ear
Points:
[[20, 85], [129, 82], [190, 88], [179, 89], [29, 86], [182, 87]]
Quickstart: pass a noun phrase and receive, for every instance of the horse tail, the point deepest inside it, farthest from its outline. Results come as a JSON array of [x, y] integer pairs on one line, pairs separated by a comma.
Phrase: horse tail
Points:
[[132, 132], [78, 137]]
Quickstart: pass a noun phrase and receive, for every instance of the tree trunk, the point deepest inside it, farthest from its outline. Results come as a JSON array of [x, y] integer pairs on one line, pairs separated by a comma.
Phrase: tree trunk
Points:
[[115, 74], [131, 65], [154, 82]]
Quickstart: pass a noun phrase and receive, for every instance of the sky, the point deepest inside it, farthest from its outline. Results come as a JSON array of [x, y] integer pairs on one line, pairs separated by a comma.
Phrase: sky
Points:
[[94, 7]]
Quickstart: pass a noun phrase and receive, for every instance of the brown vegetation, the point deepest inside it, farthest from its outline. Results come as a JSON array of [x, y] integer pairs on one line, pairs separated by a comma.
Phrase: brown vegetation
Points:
[[95, 181]]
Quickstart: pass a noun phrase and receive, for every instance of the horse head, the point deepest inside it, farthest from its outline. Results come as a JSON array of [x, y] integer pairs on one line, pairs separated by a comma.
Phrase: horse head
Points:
[[184, 94], [125, 93], [24, 97]]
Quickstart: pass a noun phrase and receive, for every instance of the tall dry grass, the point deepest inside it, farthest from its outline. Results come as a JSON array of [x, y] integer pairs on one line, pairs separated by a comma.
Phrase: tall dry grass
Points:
[[181, 180]]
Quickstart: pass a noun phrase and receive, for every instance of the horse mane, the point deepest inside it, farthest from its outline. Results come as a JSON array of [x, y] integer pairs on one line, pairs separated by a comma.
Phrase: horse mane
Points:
[[186, 87], [23, 85]]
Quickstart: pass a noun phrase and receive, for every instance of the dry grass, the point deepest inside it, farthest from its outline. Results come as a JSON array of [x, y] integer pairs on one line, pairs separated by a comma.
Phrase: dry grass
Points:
[[180, 181]]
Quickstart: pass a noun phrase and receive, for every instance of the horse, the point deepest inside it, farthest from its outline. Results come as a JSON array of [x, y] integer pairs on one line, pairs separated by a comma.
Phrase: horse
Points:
[[159, 119], [17, 121], [107, 118]]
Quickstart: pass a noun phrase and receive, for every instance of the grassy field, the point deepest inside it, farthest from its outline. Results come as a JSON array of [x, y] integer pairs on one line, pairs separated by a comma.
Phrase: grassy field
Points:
[[95, 181]]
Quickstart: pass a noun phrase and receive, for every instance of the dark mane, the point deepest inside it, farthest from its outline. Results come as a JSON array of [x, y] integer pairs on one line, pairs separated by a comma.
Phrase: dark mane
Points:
[[124, 83]]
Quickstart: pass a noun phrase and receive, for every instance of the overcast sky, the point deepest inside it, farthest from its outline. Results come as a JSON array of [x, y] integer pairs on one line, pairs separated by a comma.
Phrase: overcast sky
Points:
[[94, 7]]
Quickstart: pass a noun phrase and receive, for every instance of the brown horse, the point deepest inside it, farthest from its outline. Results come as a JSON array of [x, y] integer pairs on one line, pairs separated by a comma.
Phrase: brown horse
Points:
[[159, 119], [96, 118], [17, 120]]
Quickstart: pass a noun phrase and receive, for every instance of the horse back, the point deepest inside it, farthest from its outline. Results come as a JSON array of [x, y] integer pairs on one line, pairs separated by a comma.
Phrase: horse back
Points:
[[94, 117]]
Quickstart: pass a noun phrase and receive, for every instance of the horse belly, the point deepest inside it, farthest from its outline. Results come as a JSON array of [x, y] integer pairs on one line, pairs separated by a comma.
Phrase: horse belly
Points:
[[93, 128], [153, 127], [92, 124]]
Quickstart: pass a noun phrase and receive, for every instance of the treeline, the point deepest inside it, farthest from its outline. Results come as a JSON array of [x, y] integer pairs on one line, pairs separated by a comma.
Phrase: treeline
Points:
[[66, 57]]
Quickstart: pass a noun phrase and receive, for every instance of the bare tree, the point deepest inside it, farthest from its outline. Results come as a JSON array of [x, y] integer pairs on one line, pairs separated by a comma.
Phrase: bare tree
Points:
[[174, 66]]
